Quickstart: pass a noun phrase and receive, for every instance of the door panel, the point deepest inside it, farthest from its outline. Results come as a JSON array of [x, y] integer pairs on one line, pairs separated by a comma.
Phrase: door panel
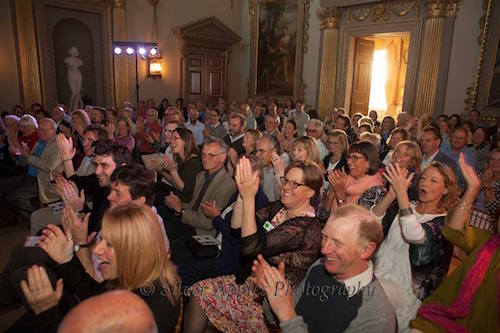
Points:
[[363, 61], [206, 78]]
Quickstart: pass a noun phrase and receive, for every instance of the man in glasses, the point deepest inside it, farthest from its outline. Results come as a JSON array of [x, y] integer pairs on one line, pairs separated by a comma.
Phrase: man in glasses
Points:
[[214, 186]]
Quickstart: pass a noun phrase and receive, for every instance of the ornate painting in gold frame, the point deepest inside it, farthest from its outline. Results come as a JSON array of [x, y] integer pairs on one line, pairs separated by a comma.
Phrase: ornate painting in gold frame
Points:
[[278, 41], [485, 94]]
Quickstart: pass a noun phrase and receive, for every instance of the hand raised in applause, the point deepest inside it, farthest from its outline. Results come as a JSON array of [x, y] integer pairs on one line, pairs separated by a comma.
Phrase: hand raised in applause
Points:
[[277, 288], [58, 245], [39, 292], [246, 179], [65, 146]]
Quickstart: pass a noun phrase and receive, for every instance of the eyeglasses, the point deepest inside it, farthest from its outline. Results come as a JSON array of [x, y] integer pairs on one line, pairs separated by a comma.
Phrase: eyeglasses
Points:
[[209, 155], [355, 158], [311, 130], [292, 184]]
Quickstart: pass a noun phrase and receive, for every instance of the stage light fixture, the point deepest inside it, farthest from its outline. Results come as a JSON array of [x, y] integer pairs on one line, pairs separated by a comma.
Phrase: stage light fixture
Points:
[[130, 50], [153, 51], [118, 50], [142, 51]]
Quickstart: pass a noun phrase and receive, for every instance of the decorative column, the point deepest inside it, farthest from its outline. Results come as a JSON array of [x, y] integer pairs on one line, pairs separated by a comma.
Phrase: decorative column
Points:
[[437, 10], [329, 24], [28, 53], [120, 63]]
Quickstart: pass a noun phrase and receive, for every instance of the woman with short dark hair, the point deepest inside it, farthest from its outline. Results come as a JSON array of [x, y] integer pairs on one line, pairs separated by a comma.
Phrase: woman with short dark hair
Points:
[[363, 185]]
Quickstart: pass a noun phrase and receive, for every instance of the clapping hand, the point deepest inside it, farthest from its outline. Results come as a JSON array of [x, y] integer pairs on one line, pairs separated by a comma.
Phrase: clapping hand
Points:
[[247, 180], [278, 164], [338, 179], [65, 146], [173, 202], [38, 290], [168, 163], [77, 227], [471, 178], [110, 128], [25, 151], [278, 290], [398, 178], [69, 193], [209, 208], [58, 245]]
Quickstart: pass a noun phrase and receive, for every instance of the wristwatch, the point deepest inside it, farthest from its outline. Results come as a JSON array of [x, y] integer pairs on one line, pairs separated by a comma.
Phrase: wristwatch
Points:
[[340, 202], [405, 211], [179, 213], [78, 247]]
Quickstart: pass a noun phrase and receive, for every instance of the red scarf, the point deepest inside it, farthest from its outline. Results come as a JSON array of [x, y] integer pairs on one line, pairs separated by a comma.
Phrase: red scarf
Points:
[[445, 316]]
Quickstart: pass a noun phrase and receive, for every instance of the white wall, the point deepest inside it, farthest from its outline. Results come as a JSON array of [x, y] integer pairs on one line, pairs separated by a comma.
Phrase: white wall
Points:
[[464, 55], [175, 13], [9, 82]]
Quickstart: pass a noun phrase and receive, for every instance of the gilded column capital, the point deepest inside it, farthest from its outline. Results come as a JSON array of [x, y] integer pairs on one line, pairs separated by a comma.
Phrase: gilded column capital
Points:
[[441, 8], [329, 18], [119, 4], [436, 8]]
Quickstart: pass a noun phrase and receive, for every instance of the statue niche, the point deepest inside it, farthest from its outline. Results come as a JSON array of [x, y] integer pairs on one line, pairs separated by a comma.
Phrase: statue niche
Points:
[[75, 74]]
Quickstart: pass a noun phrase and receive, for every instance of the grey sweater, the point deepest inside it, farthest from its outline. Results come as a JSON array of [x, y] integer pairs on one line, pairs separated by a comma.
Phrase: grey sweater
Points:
[[375, 315]]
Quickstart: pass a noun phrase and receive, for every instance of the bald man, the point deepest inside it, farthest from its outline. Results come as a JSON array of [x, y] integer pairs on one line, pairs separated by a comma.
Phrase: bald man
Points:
[[115, 311]]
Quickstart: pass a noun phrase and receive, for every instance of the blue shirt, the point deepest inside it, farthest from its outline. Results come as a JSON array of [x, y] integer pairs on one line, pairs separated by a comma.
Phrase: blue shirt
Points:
[[39, 148], [470, 157]]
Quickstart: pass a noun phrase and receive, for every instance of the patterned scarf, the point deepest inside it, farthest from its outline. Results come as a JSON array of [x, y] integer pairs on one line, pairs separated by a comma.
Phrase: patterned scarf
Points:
[[445, 316], [354, 188]]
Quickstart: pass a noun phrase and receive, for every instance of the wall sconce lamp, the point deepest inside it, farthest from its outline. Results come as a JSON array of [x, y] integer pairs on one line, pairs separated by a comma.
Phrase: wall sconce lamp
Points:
[[154, 67]]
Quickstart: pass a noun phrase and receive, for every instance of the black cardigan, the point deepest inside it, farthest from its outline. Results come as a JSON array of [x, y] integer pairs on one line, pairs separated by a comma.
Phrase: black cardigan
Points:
[[83, 286]]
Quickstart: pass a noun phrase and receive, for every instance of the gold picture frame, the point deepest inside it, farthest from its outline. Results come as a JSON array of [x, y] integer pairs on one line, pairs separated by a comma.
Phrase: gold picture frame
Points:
[[485, 93], [278, 42]]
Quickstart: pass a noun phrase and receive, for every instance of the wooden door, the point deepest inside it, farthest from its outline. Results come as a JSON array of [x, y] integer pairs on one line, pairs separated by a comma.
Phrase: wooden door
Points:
[[363, 61], [215, 84], [206, 77], [194, 80]]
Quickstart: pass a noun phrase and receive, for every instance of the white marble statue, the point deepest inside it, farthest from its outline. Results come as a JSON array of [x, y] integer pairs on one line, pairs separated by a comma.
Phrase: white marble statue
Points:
[[74, 78]]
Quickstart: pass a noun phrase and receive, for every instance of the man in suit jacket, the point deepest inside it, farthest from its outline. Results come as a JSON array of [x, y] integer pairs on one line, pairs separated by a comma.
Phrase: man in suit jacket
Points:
[[430, 141], [42, 161], [213, 186]]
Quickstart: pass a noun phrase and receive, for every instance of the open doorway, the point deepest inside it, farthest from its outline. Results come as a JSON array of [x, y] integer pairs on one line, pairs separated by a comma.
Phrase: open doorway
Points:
[[379, 73]]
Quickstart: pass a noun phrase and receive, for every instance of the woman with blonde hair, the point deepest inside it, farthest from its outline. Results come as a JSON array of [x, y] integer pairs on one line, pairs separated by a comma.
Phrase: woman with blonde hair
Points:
[[80, 120], [337, 145], [131, 254], [414, 257], [305, 149], [124, 132]]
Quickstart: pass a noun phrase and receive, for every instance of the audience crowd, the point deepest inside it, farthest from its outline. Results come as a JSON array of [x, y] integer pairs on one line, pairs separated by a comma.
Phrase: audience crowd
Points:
[[250, 217]]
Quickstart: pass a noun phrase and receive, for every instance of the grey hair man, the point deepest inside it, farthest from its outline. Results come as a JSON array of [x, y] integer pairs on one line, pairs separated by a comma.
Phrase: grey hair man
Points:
[[342, 282], [314, 129]]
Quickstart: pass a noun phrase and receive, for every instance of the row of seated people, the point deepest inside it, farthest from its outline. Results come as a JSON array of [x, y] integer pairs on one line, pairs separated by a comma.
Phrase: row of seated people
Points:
[[286, 230]]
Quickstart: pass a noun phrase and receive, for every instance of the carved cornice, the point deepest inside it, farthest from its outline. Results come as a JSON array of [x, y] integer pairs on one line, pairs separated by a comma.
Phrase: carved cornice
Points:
[[329, 18], [209, 32], [382, 11]]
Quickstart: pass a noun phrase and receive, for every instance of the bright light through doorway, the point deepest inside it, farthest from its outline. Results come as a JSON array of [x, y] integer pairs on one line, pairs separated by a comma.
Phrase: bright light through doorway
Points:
[[378, 99]]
